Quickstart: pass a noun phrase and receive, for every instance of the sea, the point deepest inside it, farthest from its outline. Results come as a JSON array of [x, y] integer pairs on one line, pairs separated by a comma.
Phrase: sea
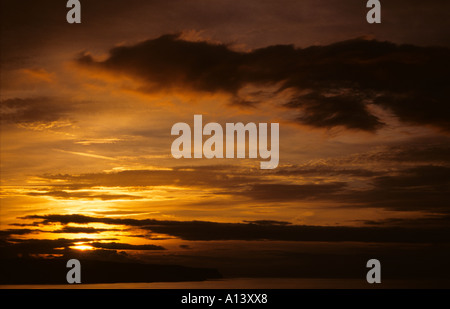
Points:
[[252, 283]]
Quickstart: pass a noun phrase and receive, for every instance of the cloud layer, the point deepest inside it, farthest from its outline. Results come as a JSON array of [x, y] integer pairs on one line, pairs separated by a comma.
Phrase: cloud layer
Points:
[[332, 85], [256, 230], [422, 187]]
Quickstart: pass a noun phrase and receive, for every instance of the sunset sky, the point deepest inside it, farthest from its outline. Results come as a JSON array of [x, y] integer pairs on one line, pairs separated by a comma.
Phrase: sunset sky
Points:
[[364, 171]]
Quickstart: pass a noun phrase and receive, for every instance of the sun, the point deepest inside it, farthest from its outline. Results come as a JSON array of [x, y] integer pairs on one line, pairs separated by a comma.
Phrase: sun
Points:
[[82, 247]]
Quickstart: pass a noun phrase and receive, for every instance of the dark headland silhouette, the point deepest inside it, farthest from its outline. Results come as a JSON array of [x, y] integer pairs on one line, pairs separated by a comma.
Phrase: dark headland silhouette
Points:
[[53, 271]]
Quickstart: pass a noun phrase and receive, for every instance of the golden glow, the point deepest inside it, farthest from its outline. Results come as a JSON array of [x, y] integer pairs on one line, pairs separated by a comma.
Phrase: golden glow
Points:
[[82, 247], [86, 161]]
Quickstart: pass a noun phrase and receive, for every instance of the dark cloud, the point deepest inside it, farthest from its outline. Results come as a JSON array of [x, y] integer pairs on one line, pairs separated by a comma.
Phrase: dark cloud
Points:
[[65, 219], [266, 230], [423, 105], [419, 188], [122, 246], [334, 84], [39, 246], [422, 188], [325, 170], [267, 222], [320, 110], [186, 177], [81, 229], [422, 151], [427, 176], [237, 231], [66, 229], [10, 232], [34, 110], [84, 195], [25, 224], [428, 221], [283, 192], [24, 247]]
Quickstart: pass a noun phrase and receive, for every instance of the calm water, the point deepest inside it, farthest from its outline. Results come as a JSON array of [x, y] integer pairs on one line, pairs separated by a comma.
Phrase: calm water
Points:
[[250, 283]]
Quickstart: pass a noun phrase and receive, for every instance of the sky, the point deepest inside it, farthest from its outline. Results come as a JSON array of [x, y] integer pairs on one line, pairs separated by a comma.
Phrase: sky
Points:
[[87, 111]]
